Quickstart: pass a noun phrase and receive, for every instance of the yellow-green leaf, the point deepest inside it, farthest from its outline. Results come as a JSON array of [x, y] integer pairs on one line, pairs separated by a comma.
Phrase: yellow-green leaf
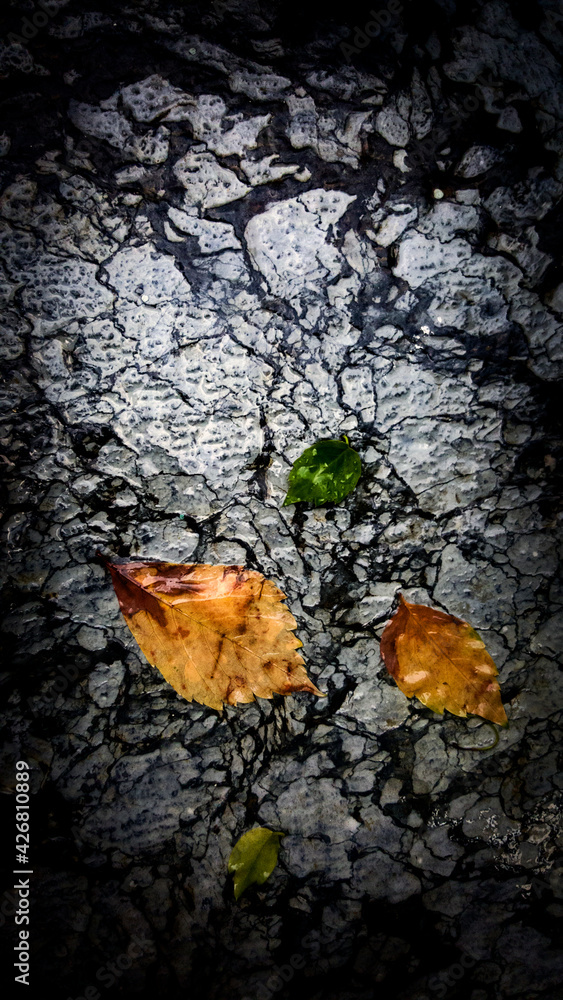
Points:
[[254, 857]]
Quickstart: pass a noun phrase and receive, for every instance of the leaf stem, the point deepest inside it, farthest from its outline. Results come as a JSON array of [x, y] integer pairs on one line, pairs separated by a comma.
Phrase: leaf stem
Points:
[[490, 746]]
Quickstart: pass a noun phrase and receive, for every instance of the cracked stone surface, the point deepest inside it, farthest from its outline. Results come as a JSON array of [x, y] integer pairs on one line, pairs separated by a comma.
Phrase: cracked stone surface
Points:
[[223, 236]]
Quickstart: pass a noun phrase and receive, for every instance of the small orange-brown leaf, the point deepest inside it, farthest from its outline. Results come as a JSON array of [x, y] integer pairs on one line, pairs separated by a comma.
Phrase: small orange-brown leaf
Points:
[[216, 633], [442, 661]]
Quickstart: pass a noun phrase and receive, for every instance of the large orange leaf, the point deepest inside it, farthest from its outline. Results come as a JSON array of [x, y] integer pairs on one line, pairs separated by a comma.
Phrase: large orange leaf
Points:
[[217, 633], [442, 661]]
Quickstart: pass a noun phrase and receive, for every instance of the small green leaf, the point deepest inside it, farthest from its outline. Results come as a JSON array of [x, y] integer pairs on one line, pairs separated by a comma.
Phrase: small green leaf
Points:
[[327, 471], [254, 857]]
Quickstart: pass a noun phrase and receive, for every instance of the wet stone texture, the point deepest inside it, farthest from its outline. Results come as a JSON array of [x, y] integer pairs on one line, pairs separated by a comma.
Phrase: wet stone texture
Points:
[[221, 239]]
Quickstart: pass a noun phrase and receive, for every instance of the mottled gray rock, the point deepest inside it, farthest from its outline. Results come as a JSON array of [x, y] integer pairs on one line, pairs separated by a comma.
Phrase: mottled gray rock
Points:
[[334, 137], [394, 225], [207, 262], [104, 683], [58, 292], [392, 125], [421, 258], [154, 97], [477, 160]]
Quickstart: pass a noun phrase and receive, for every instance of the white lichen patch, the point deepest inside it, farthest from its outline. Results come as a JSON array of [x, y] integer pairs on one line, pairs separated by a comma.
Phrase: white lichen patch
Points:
[[207, 183], [289, 242]]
